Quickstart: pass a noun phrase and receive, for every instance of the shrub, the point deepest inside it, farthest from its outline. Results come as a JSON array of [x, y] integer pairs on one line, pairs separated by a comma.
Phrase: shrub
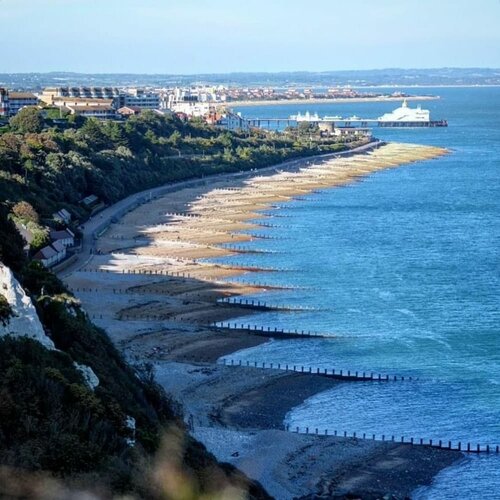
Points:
[[25, 212]]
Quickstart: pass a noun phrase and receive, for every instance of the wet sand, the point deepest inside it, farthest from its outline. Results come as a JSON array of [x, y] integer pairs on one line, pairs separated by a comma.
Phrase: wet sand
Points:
[[150, 289], [237, 412]]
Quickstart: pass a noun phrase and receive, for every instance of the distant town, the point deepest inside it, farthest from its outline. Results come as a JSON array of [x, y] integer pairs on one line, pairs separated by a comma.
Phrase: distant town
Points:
[[361, 79], [210, 103]]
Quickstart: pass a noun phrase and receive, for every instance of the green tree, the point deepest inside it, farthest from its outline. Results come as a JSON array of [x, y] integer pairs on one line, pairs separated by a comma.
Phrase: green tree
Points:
[[306, 128], [93, 132], [116, 133], [175, 138], [40, 239], [76, 119], [27, 120]]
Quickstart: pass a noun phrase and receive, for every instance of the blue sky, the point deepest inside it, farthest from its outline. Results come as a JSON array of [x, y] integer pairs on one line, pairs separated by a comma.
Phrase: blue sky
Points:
[[196, 36]]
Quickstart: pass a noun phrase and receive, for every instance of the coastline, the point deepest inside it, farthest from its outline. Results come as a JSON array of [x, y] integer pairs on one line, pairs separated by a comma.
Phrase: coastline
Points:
[[333, 100], [94, 228], [149, 290]]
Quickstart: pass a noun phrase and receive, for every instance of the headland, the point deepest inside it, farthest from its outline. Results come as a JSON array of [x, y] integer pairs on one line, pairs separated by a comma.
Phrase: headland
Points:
[[328, 100]]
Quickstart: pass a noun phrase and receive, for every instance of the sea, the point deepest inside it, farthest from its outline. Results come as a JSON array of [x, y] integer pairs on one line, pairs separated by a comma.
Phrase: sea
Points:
[[402, 270]]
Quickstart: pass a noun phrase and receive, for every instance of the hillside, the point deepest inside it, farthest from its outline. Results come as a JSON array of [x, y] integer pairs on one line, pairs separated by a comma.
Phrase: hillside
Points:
[[53, 165], [58, 430], [73, 414]]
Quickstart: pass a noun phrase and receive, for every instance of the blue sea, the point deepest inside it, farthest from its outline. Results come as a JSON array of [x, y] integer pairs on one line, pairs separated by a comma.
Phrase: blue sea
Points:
[[403, 271]]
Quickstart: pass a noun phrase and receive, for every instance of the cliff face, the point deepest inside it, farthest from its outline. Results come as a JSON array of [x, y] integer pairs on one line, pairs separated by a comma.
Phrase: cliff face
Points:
[[57, 425], [24, 321], [103, 433]]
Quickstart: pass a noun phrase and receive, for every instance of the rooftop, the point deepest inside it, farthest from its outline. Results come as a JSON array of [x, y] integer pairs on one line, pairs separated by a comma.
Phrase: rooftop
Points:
[[22, 95]]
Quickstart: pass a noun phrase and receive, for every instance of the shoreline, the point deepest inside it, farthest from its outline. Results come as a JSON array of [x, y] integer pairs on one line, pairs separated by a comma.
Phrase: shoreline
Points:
[[149, 290], [92, 229], [242, 408], [332, 100]]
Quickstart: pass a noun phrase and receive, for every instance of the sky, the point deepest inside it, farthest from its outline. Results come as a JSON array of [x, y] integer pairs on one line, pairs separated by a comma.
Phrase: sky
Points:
[[220, 36]]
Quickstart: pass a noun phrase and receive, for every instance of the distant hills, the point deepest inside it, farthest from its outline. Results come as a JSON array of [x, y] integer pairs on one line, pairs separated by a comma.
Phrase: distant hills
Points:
[[378, 77]]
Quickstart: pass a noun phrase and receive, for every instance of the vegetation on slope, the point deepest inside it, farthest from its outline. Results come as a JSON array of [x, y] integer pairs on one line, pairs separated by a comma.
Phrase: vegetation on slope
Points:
[[56, 432], [54, 167], [50, 420], [5, 310]]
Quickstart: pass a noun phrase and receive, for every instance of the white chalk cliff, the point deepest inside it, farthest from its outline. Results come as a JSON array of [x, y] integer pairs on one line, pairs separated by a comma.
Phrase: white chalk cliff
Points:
[[25, 321]]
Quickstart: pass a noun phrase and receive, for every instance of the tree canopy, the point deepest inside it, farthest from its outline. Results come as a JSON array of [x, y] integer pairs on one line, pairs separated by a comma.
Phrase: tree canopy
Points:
[[27, 120], [54, 168]]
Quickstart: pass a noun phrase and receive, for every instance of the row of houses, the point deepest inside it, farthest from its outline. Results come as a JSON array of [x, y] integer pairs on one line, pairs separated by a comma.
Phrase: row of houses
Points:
[[113, 103], [61, 239], [54, 253]]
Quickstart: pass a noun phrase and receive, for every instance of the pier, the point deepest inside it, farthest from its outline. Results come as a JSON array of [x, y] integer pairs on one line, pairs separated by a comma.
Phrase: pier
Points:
[[275, 123], [404, 116], [343, 123]]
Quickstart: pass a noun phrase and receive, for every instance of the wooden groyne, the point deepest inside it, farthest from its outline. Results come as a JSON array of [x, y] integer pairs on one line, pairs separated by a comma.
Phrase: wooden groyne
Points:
[[155, 273], [323, 372], [275, 226], [468, 447], [256, 269], [266, 237], [260, 284], [243, 250], [264, 306], [266, 332]]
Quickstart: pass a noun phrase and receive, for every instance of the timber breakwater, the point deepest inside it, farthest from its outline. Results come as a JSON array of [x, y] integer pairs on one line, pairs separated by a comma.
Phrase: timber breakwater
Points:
[[153, 285], [159, 254]]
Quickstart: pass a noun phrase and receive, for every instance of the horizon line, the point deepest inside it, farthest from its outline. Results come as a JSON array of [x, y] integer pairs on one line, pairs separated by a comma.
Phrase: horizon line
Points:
[[68, 72]]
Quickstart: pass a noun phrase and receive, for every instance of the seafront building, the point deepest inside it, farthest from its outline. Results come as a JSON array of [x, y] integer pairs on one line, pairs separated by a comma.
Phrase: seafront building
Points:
[[192, 101], [99, 102], [191, 109], [171, 96], [51, 95], [51, 254], [99, 108], [139, 98], [11, 102], [233, 121], [64, 236], [207, 103]]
